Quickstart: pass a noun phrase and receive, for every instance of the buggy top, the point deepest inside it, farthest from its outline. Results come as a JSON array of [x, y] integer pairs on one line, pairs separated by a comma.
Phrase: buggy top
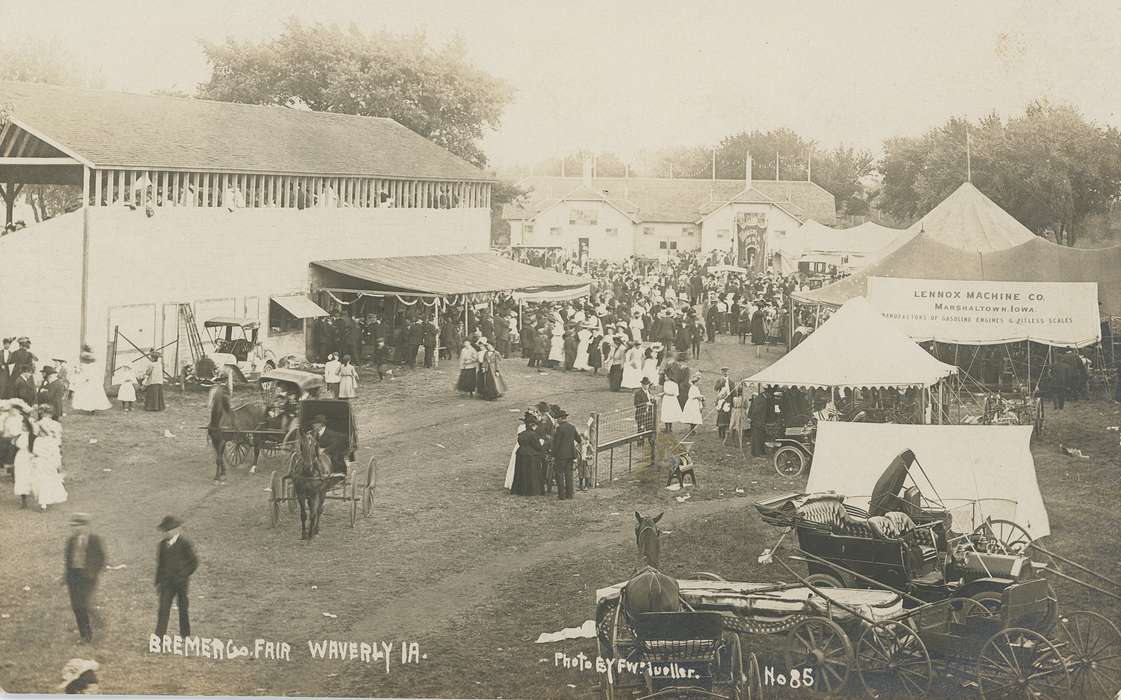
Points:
[[230, 321], [306, 382]]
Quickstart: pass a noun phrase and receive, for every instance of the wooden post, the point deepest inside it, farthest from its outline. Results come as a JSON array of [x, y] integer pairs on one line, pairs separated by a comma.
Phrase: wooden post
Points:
[[436, 321], [111, 358], [85, 255]]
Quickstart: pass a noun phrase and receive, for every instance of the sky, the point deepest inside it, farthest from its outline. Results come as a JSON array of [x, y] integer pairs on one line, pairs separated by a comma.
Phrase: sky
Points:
[[633, 76]]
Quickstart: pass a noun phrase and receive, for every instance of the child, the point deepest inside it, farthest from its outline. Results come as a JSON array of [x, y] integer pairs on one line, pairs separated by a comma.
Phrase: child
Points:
[[584, 464], [126, 394], [723, 416], [381, 355], [47, 460], [331, 374]]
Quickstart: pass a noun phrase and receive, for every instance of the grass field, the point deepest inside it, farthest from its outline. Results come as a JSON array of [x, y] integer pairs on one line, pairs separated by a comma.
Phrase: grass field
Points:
[[447, 560]]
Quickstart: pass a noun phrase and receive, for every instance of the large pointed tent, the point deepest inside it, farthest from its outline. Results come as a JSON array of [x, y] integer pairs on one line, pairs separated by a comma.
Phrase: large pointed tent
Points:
[[855, 348], [969, 237]]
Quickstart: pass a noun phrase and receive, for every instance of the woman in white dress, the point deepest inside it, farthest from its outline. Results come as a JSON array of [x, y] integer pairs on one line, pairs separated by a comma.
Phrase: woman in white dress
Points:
[[632, 367], [583, 337], [692, 412], [47, 461], [671, 409], [17, 428], [650, 366], [89, 394], [556, 346]]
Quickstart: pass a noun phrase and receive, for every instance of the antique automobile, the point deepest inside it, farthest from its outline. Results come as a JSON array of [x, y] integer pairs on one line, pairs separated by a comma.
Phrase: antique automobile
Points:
[[905, 541], [237, 349]]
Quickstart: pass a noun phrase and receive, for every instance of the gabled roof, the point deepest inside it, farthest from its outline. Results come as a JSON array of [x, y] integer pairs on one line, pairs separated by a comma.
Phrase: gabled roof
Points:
[[857, 348], [682, 200], [148, 132], [865, 239]]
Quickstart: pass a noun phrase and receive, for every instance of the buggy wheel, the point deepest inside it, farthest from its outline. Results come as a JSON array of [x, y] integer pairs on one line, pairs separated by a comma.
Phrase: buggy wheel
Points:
[[606, 680], [789, 461], [1007, 537], [821, 646], [275, 493], [290, 488], [733, 666], [234, 452], [824, 581], [892, 661], [753, 689], [371, 485], [1017, 662], [1091, 646]]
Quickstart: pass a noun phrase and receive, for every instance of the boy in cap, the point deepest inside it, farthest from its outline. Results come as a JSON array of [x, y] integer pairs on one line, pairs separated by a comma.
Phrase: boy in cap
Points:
[[175, 562], [52, 392]]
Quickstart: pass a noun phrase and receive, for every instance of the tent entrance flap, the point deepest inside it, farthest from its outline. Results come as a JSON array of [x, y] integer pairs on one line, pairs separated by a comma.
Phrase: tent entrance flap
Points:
[[300, 306]]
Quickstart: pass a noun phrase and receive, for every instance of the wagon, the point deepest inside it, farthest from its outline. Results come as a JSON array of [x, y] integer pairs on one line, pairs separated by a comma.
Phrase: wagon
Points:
[[357, 490], [240, 353], [281, 391]]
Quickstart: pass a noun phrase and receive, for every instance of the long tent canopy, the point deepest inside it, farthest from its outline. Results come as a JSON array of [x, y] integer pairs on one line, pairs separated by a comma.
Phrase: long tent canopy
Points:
[[968, 237], [976, 471], [450, 275], [855, 348]]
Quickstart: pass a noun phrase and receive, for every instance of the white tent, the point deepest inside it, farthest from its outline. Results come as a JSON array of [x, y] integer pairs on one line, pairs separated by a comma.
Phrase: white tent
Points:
[[977, 471], [855, 348]]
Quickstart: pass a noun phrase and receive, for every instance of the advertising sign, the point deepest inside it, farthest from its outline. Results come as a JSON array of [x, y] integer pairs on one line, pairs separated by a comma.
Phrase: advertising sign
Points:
[[986, 313]]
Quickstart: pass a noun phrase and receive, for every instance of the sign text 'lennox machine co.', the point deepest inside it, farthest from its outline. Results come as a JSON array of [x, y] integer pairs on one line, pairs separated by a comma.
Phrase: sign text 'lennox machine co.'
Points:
[[985, 313]]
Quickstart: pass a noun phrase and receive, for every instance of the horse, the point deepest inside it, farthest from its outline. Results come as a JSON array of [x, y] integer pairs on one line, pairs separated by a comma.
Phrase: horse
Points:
[[311, 479], [225, 418], [649, 590]]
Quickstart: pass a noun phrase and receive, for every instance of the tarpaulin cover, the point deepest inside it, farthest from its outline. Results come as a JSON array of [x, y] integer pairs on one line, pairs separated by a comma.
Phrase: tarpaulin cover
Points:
[[450, 274], [300, 306], [856, 347], [977, 471]]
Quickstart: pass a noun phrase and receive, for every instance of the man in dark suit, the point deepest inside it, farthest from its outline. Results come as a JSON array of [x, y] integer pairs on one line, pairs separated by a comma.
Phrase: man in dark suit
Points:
[[52, 392], [644, 407], [565, 451], [84, 559], [23, 387], [23, 355], [5, 367], [175, 562], [332, 443]]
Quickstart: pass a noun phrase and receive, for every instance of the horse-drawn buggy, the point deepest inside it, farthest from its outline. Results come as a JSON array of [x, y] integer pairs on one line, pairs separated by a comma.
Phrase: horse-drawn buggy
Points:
[[323, 466], [266, 424], [237, 349]]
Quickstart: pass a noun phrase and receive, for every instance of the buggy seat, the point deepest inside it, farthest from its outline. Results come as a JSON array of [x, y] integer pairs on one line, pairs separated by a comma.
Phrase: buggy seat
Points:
[[829, 510]]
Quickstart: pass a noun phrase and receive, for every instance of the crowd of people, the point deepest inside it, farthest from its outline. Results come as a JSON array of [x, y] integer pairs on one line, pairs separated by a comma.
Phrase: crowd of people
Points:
[[550, 452]]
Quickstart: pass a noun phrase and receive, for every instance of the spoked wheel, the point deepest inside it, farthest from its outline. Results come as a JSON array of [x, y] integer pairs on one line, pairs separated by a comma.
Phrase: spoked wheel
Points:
[[290, 492], [235, 452], [275, 492], [732, 667], [824, 581], [1006, 536], [789, 461], [371, 485], [821, 646], [1091, 645], [893, 661], [1019, 663], [353, 498], [753, 689]]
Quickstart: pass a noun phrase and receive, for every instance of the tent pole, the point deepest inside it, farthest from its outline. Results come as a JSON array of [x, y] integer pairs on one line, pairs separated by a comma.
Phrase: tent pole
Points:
[[436, 322], [941, 399]]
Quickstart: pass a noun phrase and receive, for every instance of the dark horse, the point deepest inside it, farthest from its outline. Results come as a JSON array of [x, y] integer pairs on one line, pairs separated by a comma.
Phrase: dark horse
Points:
[[311, 479], [224, 418], [649, 590]]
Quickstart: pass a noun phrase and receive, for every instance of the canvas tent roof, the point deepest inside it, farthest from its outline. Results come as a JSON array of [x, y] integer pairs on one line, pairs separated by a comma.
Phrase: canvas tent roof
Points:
[[454, 274], [856, 347], [964, 464], [1036, 260], [969, 220]]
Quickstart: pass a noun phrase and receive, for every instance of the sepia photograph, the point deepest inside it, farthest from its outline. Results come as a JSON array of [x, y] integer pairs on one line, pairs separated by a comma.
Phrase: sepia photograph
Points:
[[570, 349]]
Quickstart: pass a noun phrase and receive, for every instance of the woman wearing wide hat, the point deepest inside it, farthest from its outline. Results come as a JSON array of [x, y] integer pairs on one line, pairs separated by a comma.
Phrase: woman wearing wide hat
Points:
[[89, 394], [153, 382]]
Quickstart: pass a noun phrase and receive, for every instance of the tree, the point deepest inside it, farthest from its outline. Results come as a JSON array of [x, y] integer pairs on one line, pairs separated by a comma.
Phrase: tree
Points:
[[779, 154], [502, 193], [840, 171], [435, 92], [1048, 167]]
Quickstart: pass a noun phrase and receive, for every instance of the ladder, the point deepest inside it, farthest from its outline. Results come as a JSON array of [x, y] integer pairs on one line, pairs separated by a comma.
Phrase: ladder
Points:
[[188, 328]]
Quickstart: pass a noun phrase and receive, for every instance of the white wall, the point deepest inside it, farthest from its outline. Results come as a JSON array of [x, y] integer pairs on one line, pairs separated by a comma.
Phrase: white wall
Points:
[[651, 236], [213, 256], [718, 231], [618, 246]]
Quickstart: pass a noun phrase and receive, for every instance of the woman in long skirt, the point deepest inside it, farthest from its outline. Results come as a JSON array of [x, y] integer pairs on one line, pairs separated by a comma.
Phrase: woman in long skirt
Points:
[[691, 415], [153, 383], [89, 394], [618, 359], [583, 339], [556, 344], [529, 461], [47, 461], [23, 463], [650, 366], [595, 353], [348, 379], [671, 409], [491, 384], [468, 369], [632, 367]]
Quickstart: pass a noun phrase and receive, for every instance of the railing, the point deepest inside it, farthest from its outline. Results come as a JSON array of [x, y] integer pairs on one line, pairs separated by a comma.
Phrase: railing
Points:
[[630, 431]]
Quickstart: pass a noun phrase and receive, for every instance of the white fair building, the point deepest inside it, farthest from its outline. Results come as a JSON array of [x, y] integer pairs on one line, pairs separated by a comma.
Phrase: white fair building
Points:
[[217, 206]]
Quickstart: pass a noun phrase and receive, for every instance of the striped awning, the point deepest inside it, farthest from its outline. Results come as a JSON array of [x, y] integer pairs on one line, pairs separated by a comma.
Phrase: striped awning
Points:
[[470, 273]]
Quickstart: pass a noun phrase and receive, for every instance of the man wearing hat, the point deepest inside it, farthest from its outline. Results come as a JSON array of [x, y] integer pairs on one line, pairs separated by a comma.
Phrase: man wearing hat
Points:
[[565, 453], [23, 387], [23, 355], [52, 391], [723, 385], [644, 406], [6, 368], [332, 443], [84, 559], [175, 562]]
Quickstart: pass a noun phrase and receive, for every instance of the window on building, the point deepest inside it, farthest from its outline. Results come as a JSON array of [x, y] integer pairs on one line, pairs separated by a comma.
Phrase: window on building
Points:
[[663, 244], [529, 229], [673, 245], [647, 230], [555, 231], [582, 217], [687, 231], [281, 321], [612, 232], [722, 233]]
